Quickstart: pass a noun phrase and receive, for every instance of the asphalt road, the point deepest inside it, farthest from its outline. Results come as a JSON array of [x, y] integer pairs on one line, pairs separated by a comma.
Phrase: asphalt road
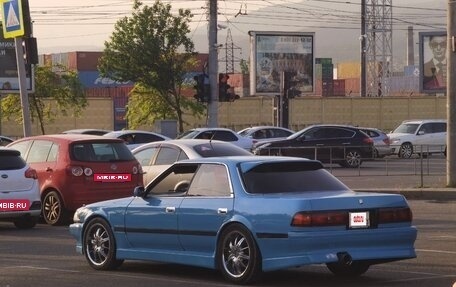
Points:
[[45, 256]]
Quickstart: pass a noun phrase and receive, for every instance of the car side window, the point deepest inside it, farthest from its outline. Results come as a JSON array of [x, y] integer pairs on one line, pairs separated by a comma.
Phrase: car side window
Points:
[[146, 156], [210, 180], [53, 153], [175, 182], [277, 133], [225, 136], [317, 133], [439, 127], [426, 128], [22, 147], [146, 138], [340, 133], [39, 151], [166, 155]]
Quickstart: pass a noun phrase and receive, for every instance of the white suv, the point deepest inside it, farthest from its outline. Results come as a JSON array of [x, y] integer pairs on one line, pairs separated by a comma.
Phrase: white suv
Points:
[[19, 190], [420, 137]]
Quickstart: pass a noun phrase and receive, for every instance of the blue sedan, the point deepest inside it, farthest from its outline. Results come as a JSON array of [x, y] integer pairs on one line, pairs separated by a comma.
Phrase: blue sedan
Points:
[[247, 215]]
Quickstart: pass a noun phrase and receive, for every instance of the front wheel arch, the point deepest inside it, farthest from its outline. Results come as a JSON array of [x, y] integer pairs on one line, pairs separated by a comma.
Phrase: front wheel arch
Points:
[[99, 245], [406, 150]]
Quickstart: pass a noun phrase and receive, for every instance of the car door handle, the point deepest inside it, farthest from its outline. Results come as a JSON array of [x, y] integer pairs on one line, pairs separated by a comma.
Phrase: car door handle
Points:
[[48, 168], [319, 144], [170, 209], [222, 211], [346, 143]]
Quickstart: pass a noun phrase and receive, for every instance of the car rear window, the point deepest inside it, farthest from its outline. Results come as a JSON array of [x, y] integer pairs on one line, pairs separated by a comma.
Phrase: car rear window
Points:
[[289, 177], [11, 160], [101, 152], [212, 149]]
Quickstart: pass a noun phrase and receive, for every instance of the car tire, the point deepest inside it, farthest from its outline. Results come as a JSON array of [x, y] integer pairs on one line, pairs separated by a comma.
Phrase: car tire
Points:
[[406, 150], [354, 269], [353, 159], [238, 256], [25, 222], [53, 211], [99, 245]]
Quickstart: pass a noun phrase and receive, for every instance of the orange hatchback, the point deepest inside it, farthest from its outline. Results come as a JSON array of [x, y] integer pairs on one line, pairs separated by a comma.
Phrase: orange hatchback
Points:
[[76, 169]]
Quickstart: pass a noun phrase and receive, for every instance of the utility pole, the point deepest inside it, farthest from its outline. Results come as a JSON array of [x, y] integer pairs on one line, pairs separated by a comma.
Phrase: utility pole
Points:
[[363, 49], [213, 65], [451, 90]]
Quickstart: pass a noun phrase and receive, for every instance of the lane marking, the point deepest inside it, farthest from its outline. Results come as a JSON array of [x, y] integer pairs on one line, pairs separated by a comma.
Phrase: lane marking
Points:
[[436, 251]]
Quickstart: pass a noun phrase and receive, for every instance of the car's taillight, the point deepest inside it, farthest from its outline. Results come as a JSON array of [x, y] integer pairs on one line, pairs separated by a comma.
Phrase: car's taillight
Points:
[[368, 140], [76, 170], [391, 215], [31, 173], [137, 169], [327, 218], [386, 141]]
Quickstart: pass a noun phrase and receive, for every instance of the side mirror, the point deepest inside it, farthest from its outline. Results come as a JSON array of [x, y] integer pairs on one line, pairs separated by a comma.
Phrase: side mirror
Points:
[[139, 191], [420, 133]]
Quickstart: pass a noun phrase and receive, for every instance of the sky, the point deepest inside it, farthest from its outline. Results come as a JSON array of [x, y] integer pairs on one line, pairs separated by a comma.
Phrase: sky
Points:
[[84, 25]]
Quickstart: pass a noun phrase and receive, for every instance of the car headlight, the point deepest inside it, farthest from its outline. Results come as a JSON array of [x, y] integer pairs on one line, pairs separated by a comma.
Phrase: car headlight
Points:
[[395, 141], [81, 214]]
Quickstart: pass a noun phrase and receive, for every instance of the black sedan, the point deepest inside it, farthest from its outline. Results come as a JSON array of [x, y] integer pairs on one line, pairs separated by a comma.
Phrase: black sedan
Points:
[[345, 145]]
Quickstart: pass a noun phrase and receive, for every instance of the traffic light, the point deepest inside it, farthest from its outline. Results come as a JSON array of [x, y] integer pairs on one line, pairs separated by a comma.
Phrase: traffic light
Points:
[[202, 88], [30, 50]]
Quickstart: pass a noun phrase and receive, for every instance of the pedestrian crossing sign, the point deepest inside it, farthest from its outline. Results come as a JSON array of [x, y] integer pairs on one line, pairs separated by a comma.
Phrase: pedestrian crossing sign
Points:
[[12, 19]]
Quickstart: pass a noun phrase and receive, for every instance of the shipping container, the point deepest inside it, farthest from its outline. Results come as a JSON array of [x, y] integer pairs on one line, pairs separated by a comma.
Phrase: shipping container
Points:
[[347, 70], [323, 61], [339, 88], [93, 79], [84, 61], [108, 92], [352, 87]]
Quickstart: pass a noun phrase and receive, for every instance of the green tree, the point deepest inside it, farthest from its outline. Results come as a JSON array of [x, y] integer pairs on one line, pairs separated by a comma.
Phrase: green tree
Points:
[[152, 49], [58, 91]]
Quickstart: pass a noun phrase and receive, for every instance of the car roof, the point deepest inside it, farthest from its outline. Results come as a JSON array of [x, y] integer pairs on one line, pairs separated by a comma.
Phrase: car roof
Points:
[[424, 121], [266, 127], [123, 132], [70, 137], [249, 161], [82, 131], [211, 129], [183, 142]]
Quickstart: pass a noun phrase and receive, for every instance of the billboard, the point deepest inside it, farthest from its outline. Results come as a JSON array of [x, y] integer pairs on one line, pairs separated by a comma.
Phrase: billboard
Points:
[[275, 52], [433, 62], [9, 79]]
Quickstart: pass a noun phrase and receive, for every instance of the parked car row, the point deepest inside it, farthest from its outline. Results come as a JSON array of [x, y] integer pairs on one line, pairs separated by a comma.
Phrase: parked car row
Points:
[[74, 168]]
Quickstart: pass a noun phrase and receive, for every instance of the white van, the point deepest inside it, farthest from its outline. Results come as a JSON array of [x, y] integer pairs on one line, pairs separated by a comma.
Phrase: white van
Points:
[[419, 136]]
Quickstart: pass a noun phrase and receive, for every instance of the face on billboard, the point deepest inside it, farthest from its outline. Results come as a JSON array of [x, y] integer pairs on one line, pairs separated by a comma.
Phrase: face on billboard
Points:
[[434, 63], [283, 53]]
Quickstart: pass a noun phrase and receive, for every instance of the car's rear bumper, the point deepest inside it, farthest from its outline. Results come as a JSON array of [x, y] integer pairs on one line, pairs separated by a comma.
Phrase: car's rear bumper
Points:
[[372, 245]]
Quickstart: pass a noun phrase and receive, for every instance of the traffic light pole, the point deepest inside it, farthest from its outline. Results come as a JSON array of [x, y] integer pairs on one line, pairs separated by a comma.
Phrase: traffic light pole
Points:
[[27, 128], [213, 66], [451, 90]]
